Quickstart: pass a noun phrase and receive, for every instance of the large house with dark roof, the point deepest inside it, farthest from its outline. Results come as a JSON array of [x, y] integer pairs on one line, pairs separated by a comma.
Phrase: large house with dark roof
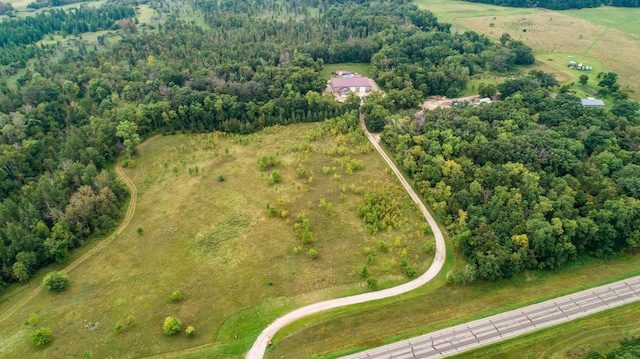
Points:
[[344, 85]]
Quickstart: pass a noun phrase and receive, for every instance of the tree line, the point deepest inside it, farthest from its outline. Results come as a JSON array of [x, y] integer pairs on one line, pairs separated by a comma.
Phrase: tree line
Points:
[[530, 182]]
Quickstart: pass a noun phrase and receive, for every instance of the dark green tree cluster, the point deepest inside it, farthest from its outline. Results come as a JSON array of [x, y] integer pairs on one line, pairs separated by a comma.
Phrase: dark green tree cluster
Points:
[[32, 29], [561, 4], [530, 182], [39, 4]]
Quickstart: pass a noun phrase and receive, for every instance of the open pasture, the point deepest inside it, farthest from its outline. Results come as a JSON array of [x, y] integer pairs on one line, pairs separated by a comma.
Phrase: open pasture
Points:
[[202, 227], [610, 35]]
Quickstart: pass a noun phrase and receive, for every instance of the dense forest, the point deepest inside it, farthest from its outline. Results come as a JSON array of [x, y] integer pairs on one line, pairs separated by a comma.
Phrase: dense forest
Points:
[[67, 110], [529, 182], [561, 4]]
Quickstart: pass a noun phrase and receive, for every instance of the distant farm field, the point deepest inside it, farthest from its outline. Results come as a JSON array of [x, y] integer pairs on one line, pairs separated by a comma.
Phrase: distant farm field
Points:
[[610, 35], [203, 227]]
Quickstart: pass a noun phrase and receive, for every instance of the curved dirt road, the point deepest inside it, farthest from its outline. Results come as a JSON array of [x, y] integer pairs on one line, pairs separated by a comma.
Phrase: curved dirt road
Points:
[[260, 345], [125, 222]]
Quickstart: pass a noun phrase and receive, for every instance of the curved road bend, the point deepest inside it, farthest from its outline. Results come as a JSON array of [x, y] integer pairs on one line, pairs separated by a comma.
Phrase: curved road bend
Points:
[[260, 345], [509, 324], [125, 222]]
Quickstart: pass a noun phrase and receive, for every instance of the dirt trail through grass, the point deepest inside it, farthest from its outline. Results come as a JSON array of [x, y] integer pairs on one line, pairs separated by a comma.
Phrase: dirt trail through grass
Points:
[[125, 222], [586, 51]]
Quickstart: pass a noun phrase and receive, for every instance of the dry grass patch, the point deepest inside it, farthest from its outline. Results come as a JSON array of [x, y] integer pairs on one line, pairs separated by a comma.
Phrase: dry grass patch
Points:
[[206, 232]]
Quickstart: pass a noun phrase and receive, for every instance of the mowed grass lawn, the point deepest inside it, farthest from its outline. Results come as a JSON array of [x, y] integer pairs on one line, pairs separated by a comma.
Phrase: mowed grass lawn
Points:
[[610, 35], [206, 233], [353, 67]]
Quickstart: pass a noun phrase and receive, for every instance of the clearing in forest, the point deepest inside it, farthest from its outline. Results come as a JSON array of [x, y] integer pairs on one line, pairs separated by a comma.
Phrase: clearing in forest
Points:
[[245, 228]]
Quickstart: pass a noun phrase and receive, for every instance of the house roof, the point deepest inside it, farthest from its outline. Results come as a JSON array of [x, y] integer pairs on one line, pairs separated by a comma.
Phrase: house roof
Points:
[[592, 102], [350, 82]]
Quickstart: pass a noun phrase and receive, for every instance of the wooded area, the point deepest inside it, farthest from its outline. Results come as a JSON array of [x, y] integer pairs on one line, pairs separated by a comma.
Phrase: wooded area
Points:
[[529, 182]]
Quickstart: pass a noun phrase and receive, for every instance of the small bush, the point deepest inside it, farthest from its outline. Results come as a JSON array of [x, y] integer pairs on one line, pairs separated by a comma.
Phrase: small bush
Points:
[[130, 321], [364, 271], [410, 270], [190, 331], [372, 282], [55, 281], [33, 319], [41, 337], [117, 328], [313, 253], [171, 325], [176, 296], [140, 230], [275, 177]]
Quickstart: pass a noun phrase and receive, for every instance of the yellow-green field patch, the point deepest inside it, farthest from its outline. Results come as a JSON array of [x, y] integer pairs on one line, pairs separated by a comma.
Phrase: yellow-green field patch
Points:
[[202, 227]]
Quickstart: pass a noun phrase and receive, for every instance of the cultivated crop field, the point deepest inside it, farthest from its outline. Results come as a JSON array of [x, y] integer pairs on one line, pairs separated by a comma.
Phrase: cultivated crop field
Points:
[[214, 222], [610, 35]]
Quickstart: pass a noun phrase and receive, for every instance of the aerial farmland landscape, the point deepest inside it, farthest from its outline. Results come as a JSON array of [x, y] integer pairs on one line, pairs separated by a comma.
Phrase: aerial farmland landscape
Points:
[[319, 179]]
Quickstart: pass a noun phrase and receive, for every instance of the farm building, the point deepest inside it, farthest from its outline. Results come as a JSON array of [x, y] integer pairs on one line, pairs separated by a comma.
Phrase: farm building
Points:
[[343, 85], [592, 102]]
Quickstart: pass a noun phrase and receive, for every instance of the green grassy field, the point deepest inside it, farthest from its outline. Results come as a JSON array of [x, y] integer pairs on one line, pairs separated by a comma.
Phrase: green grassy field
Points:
[[609, 35], [236, 267], [361, 68], [145, 14], [435, 307]]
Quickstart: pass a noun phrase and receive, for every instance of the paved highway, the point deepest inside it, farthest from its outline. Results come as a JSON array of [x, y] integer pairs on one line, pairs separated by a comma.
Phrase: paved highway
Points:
[[509, 324]]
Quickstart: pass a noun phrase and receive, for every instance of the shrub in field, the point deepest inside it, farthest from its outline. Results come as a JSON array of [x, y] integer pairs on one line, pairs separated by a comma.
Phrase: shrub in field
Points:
[[364, 271], [171, 325], [275, 177], [176, 296], [372, 282], [55, 281], [190, 331], [313, 253], [41, 337]]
